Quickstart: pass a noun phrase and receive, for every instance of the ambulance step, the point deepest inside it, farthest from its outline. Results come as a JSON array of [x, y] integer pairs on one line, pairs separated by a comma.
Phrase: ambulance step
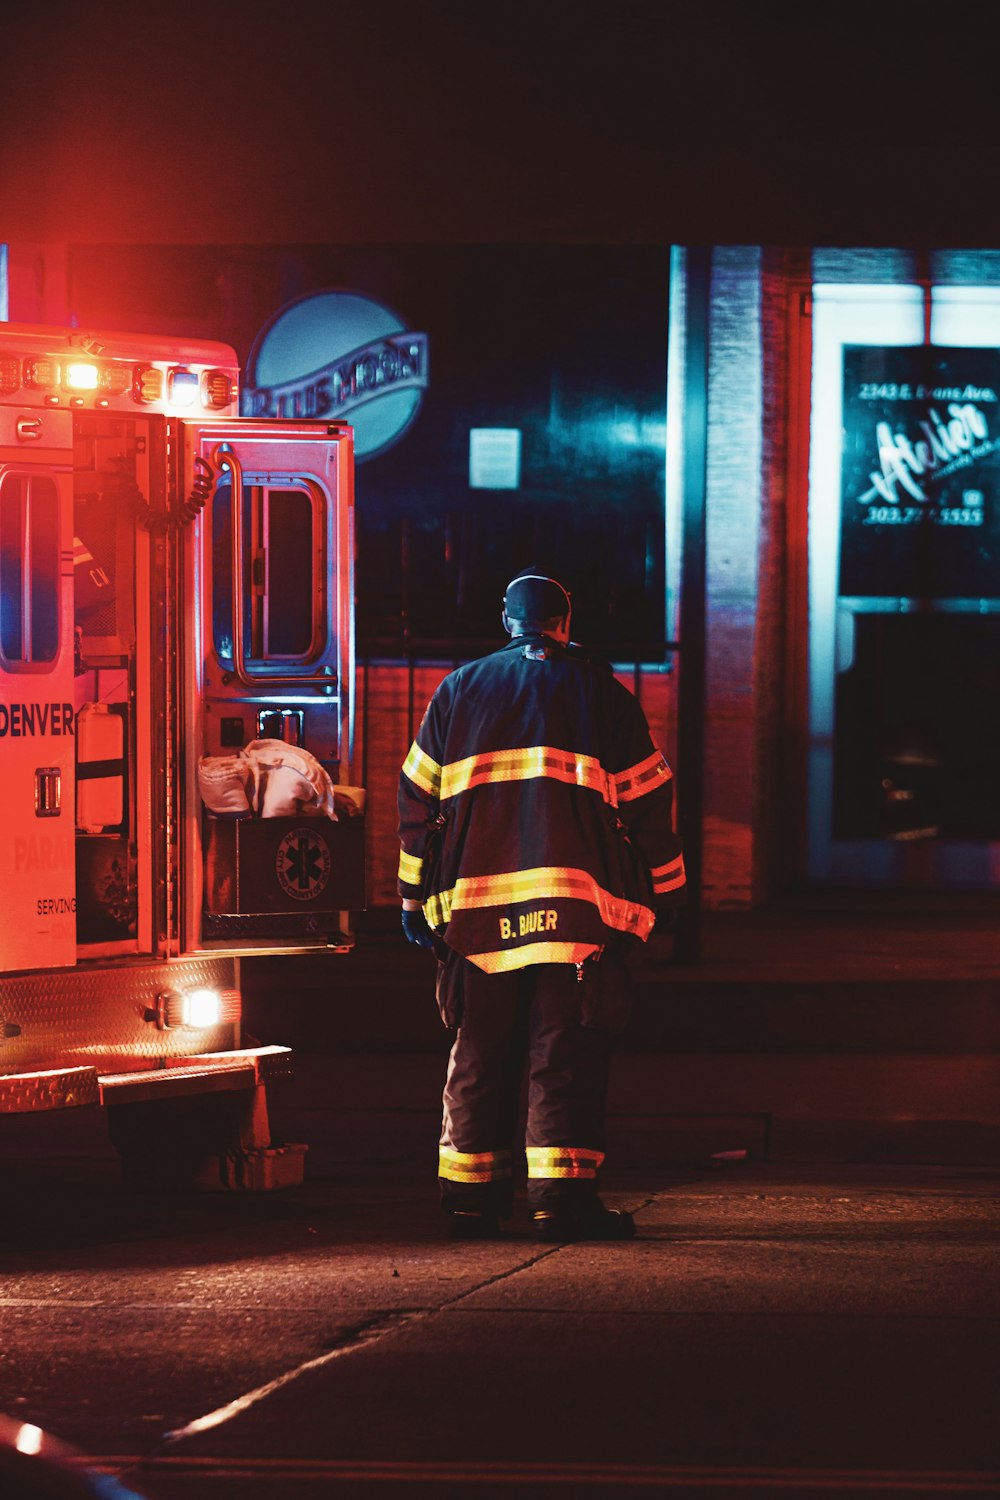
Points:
[[211, 1073]]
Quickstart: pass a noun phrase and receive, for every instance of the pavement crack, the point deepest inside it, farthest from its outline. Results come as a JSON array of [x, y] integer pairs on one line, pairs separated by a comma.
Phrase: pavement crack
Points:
[[524, 1265], [358, 1337]]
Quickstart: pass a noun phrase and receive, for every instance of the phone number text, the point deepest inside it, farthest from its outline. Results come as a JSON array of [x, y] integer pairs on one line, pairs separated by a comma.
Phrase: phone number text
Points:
[[914, 515]]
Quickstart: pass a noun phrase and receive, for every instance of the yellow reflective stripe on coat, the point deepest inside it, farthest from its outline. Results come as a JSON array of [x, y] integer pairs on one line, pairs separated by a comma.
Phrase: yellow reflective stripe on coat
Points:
[[422, 771], [641, 778], [527, 764], [504, 960], [548, 883], [669, 877], [563, 1161], [473, 1166], [410, 868]]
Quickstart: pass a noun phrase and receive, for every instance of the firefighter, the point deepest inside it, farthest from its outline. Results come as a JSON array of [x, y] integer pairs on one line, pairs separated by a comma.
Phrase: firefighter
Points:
[[537, 848]]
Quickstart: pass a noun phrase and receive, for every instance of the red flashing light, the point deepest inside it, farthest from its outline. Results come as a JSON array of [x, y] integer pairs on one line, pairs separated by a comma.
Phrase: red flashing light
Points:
[[217, 389], [116, 379], [41, 374], [79, 376], [148, 383]]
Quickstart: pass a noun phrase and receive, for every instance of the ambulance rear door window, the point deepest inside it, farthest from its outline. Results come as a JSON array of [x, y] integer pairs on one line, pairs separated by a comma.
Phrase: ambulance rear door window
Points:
[[29, 569], [284, 568], [288, 614]]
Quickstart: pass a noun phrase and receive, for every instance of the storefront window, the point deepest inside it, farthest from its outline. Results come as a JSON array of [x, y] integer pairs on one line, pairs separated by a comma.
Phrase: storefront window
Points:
[[904, 584]]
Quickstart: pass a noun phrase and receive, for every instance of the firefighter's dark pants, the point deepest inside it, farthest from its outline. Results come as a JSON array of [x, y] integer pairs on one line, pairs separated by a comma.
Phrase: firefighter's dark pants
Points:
[[559, 1022]]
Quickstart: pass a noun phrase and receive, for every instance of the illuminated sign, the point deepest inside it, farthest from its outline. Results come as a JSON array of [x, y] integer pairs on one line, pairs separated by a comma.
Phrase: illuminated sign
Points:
[[920, 508], [341, 355]]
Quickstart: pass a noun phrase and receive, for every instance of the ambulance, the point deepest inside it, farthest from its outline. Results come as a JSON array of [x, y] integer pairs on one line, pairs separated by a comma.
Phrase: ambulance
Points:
[[176, 738]]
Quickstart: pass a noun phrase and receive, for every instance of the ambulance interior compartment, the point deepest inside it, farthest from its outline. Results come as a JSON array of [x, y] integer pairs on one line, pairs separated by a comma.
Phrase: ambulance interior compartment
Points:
[[105, 481]]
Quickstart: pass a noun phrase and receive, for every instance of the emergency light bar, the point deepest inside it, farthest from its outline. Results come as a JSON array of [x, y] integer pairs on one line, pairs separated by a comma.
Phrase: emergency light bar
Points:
[[147, 385], [91, 372]]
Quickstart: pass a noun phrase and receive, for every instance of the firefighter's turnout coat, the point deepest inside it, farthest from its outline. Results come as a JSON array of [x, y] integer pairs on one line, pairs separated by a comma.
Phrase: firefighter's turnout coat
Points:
[[535, 812]]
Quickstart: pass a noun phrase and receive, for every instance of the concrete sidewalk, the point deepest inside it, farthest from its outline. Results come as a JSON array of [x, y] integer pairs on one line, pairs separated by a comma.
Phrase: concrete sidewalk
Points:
[[774, 1330], [866, 1031], [779, 1334]]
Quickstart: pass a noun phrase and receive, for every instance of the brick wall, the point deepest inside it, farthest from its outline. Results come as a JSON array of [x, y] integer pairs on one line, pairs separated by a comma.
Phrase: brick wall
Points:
[[778, 780]]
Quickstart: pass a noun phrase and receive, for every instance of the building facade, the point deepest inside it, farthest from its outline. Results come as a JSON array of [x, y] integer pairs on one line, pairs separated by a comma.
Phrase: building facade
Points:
[[845, 631]]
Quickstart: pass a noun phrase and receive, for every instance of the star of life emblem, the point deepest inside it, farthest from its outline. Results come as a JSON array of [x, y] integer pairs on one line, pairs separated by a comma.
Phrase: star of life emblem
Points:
[[302, 864]]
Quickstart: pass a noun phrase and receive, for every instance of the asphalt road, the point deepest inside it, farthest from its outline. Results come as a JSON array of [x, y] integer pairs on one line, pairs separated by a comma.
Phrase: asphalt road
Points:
[[774, 1330]]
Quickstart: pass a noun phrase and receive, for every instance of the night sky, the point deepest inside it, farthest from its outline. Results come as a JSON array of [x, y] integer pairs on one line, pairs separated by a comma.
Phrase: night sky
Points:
[[547, 120]]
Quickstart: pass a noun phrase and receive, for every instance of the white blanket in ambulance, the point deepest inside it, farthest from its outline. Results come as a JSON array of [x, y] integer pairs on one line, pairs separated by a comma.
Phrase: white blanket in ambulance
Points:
[[268, 779]]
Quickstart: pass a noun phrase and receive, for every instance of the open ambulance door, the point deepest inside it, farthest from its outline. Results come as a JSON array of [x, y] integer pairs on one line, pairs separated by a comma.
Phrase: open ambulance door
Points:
[[268, 655], [37, 719]]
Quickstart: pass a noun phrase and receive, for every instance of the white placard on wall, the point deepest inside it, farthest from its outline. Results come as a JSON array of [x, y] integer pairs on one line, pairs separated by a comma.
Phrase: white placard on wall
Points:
[[494, 458]]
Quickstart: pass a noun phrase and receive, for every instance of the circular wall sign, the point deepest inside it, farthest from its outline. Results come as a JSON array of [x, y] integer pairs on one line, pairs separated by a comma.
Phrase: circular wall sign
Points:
[[342, 355]]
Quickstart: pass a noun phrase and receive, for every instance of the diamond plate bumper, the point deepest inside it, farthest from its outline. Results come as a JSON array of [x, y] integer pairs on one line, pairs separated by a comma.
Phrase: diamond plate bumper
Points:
[[68, 1088], [57, 1088], [217, 1072]]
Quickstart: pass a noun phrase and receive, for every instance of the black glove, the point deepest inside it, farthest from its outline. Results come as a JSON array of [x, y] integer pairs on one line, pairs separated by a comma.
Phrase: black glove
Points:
[[416, 929], [666, 918]]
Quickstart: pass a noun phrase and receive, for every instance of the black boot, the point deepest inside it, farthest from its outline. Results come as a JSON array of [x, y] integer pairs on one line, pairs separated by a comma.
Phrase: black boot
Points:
[[474, 1226], [590, 1221]]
